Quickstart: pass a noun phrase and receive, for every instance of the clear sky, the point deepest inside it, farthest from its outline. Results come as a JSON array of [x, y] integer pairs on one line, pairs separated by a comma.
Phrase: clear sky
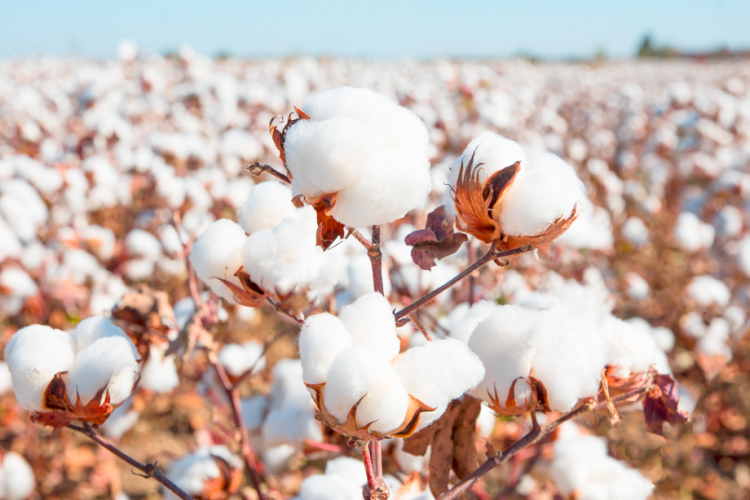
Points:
[[376, 28]]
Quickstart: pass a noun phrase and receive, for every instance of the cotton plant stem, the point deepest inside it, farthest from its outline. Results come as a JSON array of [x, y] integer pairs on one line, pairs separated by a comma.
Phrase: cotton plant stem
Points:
[[252, 464], [148, 470], [258, 168], [376, 260], [491, 254], [536, 434]]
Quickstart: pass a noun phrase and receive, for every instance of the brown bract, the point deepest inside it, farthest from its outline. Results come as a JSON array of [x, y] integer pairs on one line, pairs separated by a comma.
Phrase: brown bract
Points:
[[222, 487], [62, 411], [436, 241], [280, 135], [250, 294], [329, 229], [509, 407]]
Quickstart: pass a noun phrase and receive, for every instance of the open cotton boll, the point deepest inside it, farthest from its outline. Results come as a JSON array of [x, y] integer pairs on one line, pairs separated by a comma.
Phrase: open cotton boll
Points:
[[463, 324], [94, 328], [290, 424], [321, 338], [329, 487], [423, 372], [6, 383], [217, 254], [385, 406], [692, 234], [17, 282], [34, 355], [254, 411], [121, 420], [239, 358], [288, 387], [546, 189], [191, 472], [101, 240], [407, 462], [353, 374], [359, 272], [16, 477], [633, 350], [107, 363], [267, 204], [159, 373], [286, 256], [706, 290], [140, 243], [371, 323]]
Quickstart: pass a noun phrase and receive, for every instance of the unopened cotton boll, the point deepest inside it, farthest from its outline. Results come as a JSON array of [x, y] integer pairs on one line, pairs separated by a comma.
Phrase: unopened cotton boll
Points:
[[217, 254], [17, 480], [371, 323], [546, 189], [239, 358], [321, 338], [107, 363], [34, 355], [267, 204]]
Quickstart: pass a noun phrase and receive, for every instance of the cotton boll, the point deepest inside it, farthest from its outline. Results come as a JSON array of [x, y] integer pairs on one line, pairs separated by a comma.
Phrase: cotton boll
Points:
[[462, 323], [16, 477], [290, 425], [10, 246], [546, 189], [217, 254], [359, 272], [267, 204], [328, 487], [237, 359], [140, 243], [371, 323], [692, 234], [743, 256], [121, 420], [493, 151], [320, 340], [276, 459], [634, 350], [79, 265], [348, 468], [637, 287], [352, 375], [159, 373], [170, 239], [5, 381], [736, 317], [139, 269], [385, 406], [714, 342], [17, 283], [107, 363], [288, 387], [706, 290], [191, 472], [635, 231], [286, 256], [254, 411], [94, 328], [422, 371], [34, 355], [728, 222], [406, 461]]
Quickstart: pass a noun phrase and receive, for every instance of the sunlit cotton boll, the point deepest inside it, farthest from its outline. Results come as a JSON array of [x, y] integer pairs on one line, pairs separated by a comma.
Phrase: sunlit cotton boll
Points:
[[365, 148], [239, 358], [217, 254], [707, 290], [6, 383], [692, 234], [635, 231], [16, 477], [191, 472], [266, 205], [159, 373]]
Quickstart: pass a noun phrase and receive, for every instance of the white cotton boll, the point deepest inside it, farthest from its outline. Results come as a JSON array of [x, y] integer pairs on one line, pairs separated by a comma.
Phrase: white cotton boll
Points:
[[692, 324], [463, 320], [170, 239], [288, 387], [16, 477], [545, 190], [94, 328], [635, 231], [34, 355], [636, 286], [728, 222], [353, 373], [217, 254], [140, 243], [191, 472], [359, 272], [121, 420], [423, 372], [328, 487], [714, 342], [632, 349], [493, 151], [101, 240], [17, 282], [10, 246], [407, 462], [267, 204], [743, 255], [371, 323], [706, 290], [290, 424], [320, 340], [692, 234], [276, 459], [348, 468], [139, 269], [254, 411], [159, 373], [241, 144], [79, 265], [385, 405], [486, 421], [107, 363], [239, 358], [5, 381], [22, 208], [285, 257], [736, 317]]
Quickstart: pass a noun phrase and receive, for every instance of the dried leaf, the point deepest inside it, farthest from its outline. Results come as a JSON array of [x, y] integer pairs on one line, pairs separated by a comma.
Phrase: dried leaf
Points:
[[250, 295], [329, 229], [464, 434], [661, 405], [147, 317], [436, 241], [227, 483], [279, 136]]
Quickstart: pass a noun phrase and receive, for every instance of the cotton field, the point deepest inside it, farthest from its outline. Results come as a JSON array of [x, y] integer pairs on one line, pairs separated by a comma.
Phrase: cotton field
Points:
[[342, 279]]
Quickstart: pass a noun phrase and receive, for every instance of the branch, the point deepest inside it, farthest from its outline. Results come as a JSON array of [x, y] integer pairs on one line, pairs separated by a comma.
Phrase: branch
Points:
[[149, 470], [492, 254], [258, 168], [359, 237], [534, 436], [376, 260]]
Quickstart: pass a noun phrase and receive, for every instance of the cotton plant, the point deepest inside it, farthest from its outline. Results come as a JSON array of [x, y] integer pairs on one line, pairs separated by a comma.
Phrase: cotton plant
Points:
[[17, 480], [211, 472]]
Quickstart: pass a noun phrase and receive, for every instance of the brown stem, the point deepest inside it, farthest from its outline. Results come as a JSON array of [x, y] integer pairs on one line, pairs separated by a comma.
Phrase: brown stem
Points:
[[376, 260], [491, 254], [358, 236], [472, 279], [333, 448], [258, 168], [534, 436], [149, 469], [252, 464]]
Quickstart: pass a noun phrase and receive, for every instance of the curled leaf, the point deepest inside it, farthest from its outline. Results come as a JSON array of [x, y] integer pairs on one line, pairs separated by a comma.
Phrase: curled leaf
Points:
[[250, 294], [661, 404], [436, 241], [329, 229]]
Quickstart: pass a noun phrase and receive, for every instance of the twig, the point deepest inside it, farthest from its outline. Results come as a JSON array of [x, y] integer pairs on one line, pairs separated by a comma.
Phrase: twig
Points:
[[358, 236], [258, 168], [534, 436], [333, 448], [376, 260], [149, 469], [491, 254]]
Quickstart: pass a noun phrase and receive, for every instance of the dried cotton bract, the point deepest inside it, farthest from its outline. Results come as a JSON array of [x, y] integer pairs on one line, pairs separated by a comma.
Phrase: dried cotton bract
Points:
[[363, 148], [361, 384]]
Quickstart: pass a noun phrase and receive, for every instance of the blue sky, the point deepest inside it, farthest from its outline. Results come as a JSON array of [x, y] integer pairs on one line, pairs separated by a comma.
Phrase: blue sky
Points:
[[379, 28]]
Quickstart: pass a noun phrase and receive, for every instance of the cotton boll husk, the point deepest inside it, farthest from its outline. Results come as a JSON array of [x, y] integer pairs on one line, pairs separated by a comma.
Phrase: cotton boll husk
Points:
[[545, 189], [353, 374], [501, 343], [107, 363], [34, 355], [707, 290], [286, 256], [328, 487], [17, 477], [320, 340], [94, 328], [371, 323], [267, 204], [121, 420], [217, 254], [5, 381], [237, 359], [385, 405], [423, 372], [159, 373], [254, 411]]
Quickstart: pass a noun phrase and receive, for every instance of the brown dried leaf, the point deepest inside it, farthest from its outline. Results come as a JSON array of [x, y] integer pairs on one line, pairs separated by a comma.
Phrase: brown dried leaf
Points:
[[145, 315], [436, 241], [250, 295], [661, 405], [329, 229], [464, 434]]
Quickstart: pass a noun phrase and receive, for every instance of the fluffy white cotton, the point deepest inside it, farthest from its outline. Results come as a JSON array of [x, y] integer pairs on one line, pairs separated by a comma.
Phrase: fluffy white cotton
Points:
[[636, 286], [353, 374], [325, 487], [706, 290], [290, 424], [108, 363], [692, 234], [16, 477], [217, 254], [545, 190], [285, 257], [743, 255], [406, 461], [140, 243], [359, 272], [267, 204], [633, 351], [462, 322], [254, 411], [385, 405], [121, 420], [94, 328], [6, 383], [192, 471], [18, 286], [371, 323], [635, 231], [239, 358], [159, 373], [364, 147], [581, 466], [101, 240], [592, 229], [34, 355], [728, 222], [320, 340]]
